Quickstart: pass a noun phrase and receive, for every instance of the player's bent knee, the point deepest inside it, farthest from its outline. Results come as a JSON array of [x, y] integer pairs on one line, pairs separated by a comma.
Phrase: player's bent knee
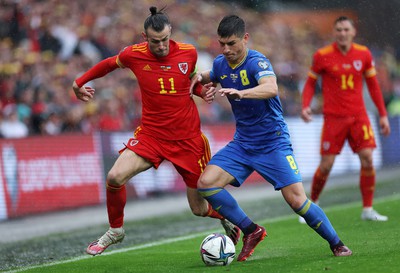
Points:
[[206, 182], [114, 179]]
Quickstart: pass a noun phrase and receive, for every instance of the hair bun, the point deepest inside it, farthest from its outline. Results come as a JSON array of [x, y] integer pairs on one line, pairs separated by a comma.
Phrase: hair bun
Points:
[[153, 10]]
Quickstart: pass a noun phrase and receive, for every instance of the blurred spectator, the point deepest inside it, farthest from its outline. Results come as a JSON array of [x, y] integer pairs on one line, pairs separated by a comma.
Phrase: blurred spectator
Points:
[[110, 118], [11, 126], [41, 49], [52, 125], [73, 120]]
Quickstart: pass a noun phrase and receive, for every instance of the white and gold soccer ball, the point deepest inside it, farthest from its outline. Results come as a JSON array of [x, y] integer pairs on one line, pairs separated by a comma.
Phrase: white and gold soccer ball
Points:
[[217, 249]]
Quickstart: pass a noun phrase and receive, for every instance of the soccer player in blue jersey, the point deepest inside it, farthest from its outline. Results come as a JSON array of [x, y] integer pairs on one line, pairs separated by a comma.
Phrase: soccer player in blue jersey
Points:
[[261, 142]]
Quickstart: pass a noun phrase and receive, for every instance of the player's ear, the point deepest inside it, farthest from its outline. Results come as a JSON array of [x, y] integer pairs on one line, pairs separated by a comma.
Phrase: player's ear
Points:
[[144, 35], [246, 37]]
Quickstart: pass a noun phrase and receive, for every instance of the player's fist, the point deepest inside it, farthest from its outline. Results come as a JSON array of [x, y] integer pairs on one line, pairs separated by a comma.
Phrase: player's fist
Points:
[[306, 114]]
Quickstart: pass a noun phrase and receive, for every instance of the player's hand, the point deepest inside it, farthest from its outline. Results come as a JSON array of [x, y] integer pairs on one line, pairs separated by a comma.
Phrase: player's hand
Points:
[[84, 93], [306, 114], [194, 80], [385, 126], [231, 93], [208, 92]]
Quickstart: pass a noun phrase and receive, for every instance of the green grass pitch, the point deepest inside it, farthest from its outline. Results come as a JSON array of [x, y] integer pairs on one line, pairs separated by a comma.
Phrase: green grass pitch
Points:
[[289, 247]]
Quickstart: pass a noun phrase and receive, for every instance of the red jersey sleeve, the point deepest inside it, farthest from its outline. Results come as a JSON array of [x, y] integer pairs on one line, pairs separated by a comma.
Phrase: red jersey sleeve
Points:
[[99, 70], [309, 87], [373, 85], [376, 95]]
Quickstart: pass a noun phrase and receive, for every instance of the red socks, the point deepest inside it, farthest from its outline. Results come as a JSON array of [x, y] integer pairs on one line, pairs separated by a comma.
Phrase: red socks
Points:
[[367, 186], [116, 200], [212, 213], [318, 184]]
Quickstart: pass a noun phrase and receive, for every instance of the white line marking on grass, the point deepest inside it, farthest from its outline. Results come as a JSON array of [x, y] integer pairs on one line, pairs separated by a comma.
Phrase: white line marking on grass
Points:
[[122, 250], [182, 238]]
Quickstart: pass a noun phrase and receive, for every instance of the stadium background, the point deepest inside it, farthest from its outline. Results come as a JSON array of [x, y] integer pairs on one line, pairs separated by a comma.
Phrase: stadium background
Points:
[[60, 158]]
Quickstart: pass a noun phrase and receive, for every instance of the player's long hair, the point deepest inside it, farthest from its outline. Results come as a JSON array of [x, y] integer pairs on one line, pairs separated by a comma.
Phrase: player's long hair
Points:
[[156, 20], [231, 25]]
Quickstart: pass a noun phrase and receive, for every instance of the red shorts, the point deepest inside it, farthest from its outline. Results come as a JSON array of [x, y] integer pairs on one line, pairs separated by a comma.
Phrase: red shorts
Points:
[[189, 156], [336, 130]]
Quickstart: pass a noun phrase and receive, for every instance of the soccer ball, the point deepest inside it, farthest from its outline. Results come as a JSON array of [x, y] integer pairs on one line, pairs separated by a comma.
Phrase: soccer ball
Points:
[[217, 249]]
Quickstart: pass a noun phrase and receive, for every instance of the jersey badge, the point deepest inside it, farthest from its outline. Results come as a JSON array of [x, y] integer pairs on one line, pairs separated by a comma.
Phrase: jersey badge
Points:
[[133, 142], [346, 66], [357, 64], [234, 77], [263, 64], [165, 67], [183, 67], [326, 145]]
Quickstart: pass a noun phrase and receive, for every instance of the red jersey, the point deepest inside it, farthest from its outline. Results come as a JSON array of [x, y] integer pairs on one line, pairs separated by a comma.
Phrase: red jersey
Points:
[[168, 111], [342, 80]]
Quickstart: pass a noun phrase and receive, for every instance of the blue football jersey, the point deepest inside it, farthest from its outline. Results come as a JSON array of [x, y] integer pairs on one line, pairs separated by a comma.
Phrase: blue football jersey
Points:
[[259, 123]]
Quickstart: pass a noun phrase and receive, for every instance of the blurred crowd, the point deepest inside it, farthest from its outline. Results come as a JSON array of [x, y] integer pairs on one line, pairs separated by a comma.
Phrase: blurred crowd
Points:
[[45, 45]]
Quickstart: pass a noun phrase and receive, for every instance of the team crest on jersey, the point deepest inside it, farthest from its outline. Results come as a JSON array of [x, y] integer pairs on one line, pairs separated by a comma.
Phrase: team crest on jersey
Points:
[[183, 67], [357, 64]]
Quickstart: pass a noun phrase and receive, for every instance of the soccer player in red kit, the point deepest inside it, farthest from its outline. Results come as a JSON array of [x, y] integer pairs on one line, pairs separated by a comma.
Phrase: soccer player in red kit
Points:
[[170, 125], [342, 66]]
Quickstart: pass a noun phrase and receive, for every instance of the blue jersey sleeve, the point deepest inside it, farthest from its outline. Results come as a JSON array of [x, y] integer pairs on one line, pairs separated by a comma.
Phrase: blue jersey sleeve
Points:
[[261, 67]]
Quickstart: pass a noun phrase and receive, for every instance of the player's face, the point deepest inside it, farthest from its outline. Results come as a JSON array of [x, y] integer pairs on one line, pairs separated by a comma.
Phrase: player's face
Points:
[[234, 48], [158, 41], [344, 33]]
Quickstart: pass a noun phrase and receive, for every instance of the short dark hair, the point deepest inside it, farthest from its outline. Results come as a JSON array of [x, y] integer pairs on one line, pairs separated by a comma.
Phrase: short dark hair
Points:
[[156, 20], [231, 25], [344, 18]]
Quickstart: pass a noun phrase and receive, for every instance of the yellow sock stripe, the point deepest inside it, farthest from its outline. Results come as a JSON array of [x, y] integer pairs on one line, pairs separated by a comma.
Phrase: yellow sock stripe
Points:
[[305, 208], [209, 192]]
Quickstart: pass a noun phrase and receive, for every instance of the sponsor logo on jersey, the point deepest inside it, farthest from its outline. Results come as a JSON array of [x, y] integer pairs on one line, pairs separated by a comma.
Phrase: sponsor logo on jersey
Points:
[[223, 77], [183, 67], [147, 67], [357, 64]]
